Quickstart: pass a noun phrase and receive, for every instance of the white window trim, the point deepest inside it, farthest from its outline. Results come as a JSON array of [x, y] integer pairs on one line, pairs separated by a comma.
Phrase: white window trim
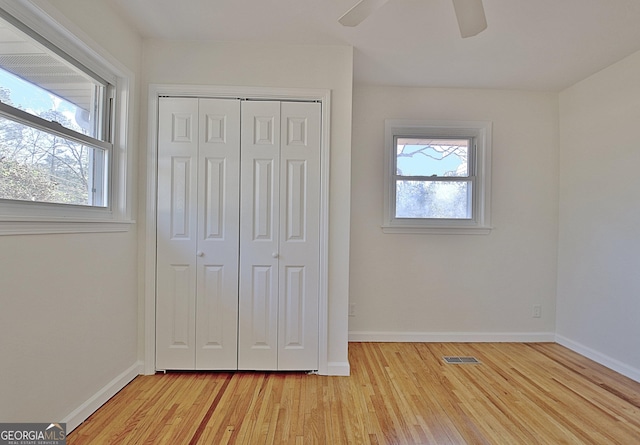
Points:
[[20, 218], [481, 132]]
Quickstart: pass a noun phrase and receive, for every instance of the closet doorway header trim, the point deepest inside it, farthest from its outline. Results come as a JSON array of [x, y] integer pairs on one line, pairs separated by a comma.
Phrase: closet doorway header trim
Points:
[[242, 93], [243, 99]]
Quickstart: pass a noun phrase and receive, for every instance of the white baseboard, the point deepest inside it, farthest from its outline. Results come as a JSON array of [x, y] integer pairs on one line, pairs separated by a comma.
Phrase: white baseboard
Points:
[[82, 413], [604, 360], [452, 337], [338, 369]]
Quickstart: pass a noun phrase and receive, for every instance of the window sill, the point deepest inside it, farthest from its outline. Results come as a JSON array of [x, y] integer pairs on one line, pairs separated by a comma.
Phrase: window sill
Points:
[[43, 227], [436, 230]]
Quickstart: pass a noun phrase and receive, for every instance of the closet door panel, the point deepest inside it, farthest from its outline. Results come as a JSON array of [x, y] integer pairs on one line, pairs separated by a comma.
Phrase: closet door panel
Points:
[[218, 231], [176, 233], [299, 236], [259, 332], [259, 233]]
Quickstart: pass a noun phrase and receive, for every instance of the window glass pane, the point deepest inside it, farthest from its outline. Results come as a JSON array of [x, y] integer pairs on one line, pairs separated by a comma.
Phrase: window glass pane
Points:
[[38, 166], [428, 157], [36, 80], [433, 199]]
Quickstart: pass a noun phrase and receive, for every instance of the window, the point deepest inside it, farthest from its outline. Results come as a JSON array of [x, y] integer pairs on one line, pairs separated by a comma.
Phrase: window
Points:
[[62, 152], [54, 143], [437, 177]]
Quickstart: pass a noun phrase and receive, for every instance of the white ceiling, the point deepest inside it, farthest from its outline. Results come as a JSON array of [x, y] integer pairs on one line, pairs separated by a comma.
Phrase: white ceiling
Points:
[[529, 44]]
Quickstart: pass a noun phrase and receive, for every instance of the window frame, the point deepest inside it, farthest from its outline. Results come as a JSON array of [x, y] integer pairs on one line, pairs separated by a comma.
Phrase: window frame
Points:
[[479, 175], [20, 217]]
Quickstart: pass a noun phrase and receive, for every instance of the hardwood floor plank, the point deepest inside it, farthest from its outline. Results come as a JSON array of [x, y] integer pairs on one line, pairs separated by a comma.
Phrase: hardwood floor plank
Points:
[[398, 393]]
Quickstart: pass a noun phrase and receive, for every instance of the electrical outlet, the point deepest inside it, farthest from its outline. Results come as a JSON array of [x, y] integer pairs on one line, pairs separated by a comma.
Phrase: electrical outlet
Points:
[[352, 310], [537, 311]]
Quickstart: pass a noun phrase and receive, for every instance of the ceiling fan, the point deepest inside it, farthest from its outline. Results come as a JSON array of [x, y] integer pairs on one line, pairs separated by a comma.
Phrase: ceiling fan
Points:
[[470, 15]]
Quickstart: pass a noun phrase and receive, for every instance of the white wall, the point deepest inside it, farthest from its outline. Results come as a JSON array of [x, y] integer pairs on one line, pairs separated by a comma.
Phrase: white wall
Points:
[[68, 317], [285, 66], [433, 287], [599, 244]]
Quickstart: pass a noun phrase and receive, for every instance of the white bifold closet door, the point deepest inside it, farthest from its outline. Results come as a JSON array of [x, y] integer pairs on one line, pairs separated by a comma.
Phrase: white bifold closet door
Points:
[[279, 235], [238, 234], [197, 234]]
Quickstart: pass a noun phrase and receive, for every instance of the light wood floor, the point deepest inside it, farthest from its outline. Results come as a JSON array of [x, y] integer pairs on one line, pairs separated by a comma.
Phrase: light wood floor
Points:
[[398, 393]]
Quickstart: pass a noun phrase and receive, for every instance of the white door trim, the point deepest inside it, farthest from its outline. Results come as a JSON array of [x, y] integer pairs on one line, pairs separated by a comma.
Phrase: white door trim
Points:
[[155, 91]]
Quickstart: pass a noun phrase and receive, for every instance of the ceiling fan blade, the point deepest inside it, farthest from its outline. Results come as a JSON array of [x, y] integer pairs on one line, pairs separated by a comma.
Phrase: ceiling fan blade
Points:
[[471, 18], [360, 11]]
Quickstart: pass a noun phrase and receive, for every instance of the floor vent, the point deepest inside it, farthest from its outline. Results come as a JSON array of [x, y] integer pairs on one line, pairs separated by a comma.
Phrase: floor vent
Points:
[[456, 360]]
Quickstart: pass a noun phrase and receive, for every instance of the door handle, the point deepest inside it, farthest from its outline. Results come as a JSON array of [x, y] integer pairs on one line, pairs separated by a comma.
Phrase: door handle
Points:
[[274, 254], [200, 253]]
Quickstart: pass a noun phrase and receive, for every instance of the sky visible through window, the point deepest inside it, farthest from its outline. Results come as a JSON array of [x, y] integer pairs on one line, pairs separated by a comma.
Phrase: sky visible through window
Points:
[[35, 100], [417, 157]]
